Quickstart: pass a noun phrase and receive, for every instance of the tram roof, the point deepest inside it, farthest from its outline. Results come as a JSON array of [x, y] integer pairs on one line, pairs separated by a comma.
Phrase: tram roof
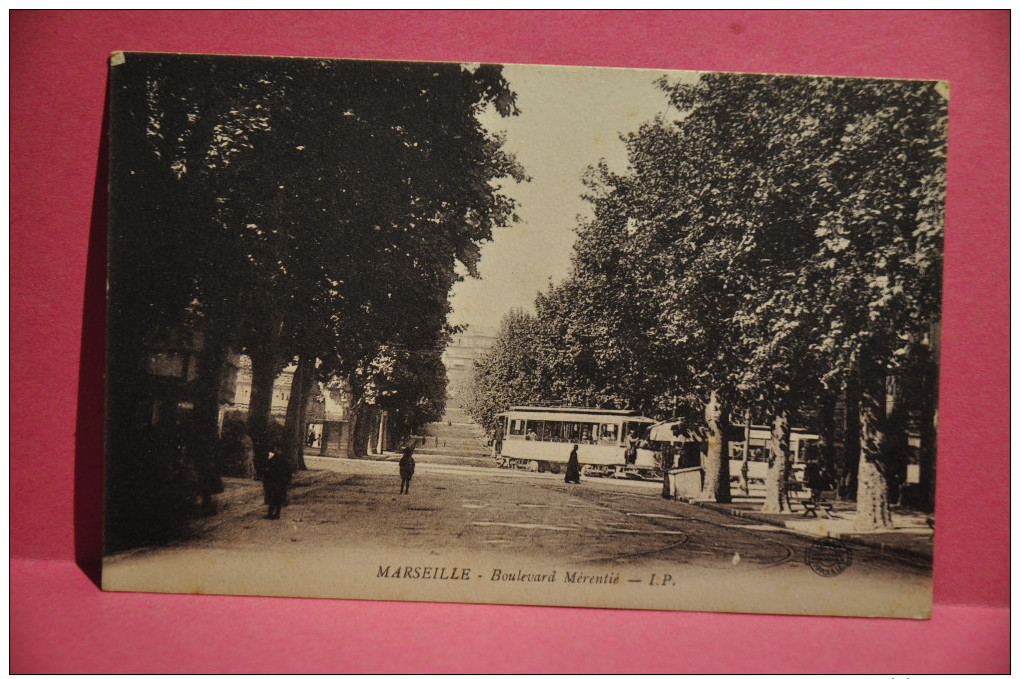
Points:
[[573, 414]]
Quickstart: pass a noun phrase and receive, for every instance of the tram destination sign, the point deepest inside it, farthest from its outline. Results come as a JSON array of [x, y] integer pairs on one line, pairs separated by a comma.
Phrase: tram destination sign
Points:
[[523, 334]]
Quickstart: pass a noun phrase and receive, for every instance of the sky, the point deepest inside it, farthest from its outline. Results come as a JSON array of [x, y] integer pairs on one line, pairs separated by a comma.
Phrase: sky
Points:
[[570, 117]]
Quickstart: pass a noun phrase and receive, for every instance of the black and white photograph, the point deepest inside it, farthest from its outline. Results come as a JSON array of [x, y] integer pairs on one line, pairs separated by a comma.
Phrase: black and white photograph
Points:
[[523, 334]]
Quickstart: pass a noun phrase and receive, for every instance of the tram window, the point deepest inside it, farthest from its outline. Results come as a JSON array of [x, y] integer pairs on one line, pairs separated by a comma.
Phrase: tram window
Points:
[[631, 429], [538, 430], [803, 449], [571, 431], [756, 453], [554, 431], [568, 432]]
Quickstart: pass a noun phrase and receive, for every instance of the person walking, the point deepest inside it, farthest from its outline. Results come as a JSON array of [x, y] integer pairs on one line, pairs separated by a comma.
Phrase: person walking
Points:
[[573, 474], [275, 482], [497, 442], [406, 470]]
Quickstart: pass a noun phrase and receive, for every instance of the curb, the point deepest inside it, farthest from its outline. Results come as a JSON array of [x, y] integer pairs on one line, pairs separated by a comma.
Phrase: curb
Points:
[[892, 549], [780, 523]]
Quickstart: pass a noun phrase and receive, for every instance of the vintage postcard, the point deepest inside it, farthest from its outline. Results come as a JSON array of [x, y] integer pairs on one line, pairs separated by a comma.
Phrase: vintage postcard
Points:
[[523, 334]]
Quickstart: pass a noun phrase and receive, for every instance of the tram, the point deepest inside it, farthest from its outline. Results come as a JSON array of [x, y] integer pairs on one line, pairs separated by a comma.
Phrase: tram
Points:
[[540, 439], [757, 454], [757, 464]]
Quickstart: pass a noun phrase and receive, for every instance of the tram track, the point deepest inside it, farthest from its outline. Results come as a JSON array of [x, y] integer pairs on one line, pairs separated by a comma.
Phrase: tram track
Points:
[[786, 553]]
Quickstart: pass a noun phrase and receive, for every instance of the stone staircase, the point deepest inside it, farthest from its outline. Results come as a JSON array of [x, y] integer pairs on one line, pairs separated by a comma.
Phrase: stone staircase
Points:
[[455, 435]]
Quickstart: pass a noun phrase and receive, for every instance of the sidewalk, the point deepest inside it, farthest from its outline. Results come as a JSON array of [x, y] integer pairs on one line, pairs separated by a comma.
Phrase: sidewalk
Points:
[[910, 534]]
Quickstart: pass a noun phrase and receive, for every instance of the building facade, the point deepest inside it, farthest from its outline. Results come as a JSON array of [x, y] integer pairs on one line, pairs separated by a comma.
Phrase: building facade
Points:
[[459, 359], [327, 413]]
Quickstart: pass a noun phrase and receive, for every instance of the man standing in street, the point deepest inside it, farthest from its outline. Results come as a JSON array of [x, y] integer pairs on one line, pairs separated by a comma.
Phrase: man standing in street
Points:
[[406, 469]]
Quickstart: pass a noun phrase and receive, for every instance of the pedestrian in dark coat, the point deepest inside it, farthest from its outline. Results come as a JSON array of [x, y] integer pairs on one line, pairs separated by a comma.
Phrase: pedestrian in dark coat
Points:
[[406, 470], [275, 482], [573, 474]]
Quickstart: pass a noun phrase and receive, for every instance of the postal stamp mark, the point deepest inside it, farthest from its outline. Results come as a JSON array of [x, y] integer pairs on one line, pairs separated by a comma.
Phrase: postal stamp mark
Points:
[[828, 557]]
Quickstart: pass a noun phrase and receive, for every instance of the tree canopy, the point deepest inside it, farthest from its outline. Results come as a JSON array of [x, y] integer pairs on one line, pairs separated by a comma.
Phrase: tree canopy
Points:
[[771, 236]]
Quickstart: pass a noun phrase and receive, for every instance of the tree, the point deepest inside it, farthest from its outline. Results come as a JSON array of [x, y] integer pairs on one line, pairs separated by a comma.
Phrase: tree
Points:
[[303, 210], [163, 246], [511, 372], [409, 194], [790, 161]]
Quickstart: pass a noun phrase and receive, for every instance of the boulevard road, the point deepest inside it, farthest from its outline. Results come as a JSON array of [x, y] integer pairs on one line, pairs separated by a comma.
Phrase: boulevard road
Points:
[[346, 522]]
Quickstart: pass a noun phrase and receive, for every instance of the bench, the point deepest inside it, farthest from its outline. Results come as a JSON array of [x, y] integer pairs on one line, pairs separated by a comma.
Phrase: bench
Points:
[[820, 499]]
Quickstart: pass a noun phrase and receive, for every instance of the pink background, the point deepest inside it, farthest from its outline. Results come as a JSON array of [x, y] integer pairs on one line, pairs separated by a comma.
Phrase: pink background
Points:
[[60, 621]]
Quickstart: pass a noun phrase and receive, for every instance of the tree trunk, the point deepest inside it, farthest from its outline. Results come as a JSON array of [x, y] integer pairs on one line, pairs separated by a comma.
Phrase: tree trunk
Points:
[[896, 449], [776, 499], [745, 466], [375, 420], [294, 427], [308, 381], [827, 432], [716, 486], [206, 411], [324, 440], [872, 488], [130, 484], [203, 448], [397, 431], [364, 423], [928, 406], [260, 406], [265, 367], [852, 441], [353, 429]]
